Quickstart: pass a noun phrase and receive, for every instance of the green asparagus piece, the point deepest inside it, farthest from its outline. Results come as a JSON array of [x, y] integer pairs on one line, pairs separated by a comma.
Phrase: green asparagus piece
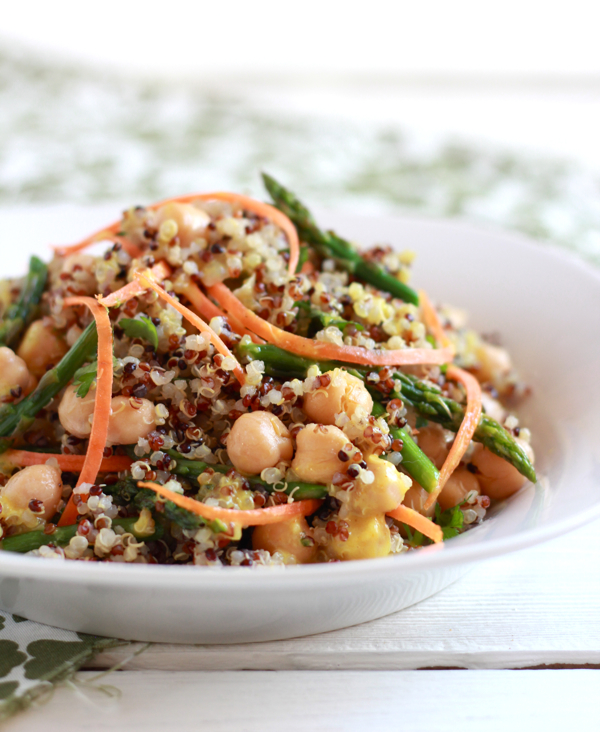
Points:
[[414, 460], [127, 491], [428, 401], [331, 245], [31, 540], [325, 319], [302, 258], [191, 469], [20, 313], [299, 490], [425, 398], [16, 418]]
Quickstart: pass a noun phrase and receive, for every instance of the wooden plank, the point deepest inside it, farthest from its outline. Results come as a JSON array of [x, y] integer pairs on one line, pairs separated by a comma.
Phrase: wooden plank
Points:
[[297, 701], [538, 606]]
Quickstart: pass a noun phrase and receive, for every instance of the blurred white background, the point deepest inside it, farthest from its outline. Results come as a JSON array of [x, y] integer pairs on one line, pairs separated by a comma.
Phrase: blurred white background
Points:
[[273, 39], [484, 110], [521, 73]]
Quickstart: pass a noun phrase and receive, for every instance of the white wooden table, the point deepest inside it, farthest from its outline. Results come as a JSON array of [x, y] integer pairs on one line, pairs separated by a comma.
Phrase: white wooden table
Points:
[[447, 663]]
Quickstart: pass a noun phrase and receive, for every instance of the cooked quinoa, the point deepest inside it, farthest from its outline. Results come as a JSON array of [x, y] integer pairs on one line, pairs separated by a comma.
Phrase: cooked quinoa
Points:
[[221, 419]]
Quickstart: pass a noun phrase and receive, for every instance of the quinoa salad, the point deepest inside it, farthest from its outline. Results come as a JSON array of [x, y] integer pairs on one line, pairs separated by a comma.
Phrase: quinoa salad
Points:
[[230, 385]]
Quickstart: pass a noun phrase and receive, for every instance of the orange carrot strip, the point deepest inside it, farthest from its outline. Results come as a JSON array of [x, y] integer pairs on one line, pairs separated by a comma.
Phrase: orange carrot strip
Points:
[[466, 429], [411, 517], [432, 321], [159, 272], [108, 233], [194, 320], [252, 517], [69, 463], [250, 204], [99, 433], [208, 310], [319, 349]]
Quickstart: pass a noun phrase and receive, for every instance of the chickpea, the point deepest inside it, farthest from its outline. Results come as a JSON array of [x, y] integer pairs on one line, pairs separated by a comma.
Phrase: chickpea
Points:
[[14, 373], [368, 538], [384, 494], [41, 347], [432, 441], [458, 485], [258, 440], [345, 393], [75, 413], [191, 221], [317, 448], [494, 362], [130, 419], [80, 268], [498, 479], [416, 497], [286, 538], [41, 482]]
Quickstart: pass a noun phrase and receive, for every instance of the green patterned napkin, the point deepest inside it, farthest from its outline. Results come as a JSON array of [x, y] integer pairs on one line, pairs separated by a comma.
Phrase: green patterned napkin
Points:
[[35, 657], [85, 138]]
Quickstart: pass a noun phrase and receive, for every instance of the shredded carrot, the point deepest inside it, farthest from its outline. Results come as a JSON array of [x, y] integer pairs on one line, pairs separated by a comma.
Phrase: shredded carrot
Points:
[[109, 232], [432, 321], [99, 433], [194, 320], [249, 204], [465, 432], [205, 307], [69, 463], [208, 310], [159, 273], [321, 350], [252, 517], [421, 523]]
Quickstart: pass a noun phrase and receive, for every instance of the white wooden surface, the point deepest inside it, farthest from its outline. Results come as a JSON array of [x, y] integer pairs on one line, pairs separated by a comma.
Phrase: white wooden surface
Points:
[[338, 701], [539, 606]]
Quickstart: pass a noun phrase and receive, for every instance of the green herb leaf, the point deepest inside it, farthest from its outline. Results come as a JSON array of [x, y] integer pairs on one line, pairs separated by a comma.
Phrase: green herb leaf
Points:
[[84, 378], [450, 521], [141, 327]]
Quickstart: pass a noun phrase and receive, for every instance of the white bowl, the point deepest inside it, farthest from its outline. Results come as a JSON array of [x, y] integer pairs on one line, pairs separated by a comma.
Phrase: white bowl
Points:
[[545, 305]]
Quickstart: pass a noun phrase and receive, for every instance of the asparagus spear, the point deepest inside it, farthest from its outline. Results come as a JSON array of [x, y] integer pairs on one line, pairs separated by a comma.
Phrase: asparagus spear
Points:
[[331, 245], [21, 312], [325, 320], [31, 540], [193, 468], [414, 460], [425, 398], [126, 491], [428, 401], [15, 418]]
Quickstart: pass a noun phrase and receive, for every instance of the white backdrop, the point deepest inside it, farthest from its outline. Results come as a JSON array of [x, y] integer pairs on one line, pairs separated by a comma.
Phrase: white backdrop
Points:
[[316, 37]]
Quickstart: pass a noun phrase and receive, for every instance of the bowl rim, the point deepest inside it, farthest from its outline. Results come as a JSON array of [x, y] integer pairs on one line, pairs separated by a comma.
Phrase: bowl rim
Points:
[[431, 557]]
